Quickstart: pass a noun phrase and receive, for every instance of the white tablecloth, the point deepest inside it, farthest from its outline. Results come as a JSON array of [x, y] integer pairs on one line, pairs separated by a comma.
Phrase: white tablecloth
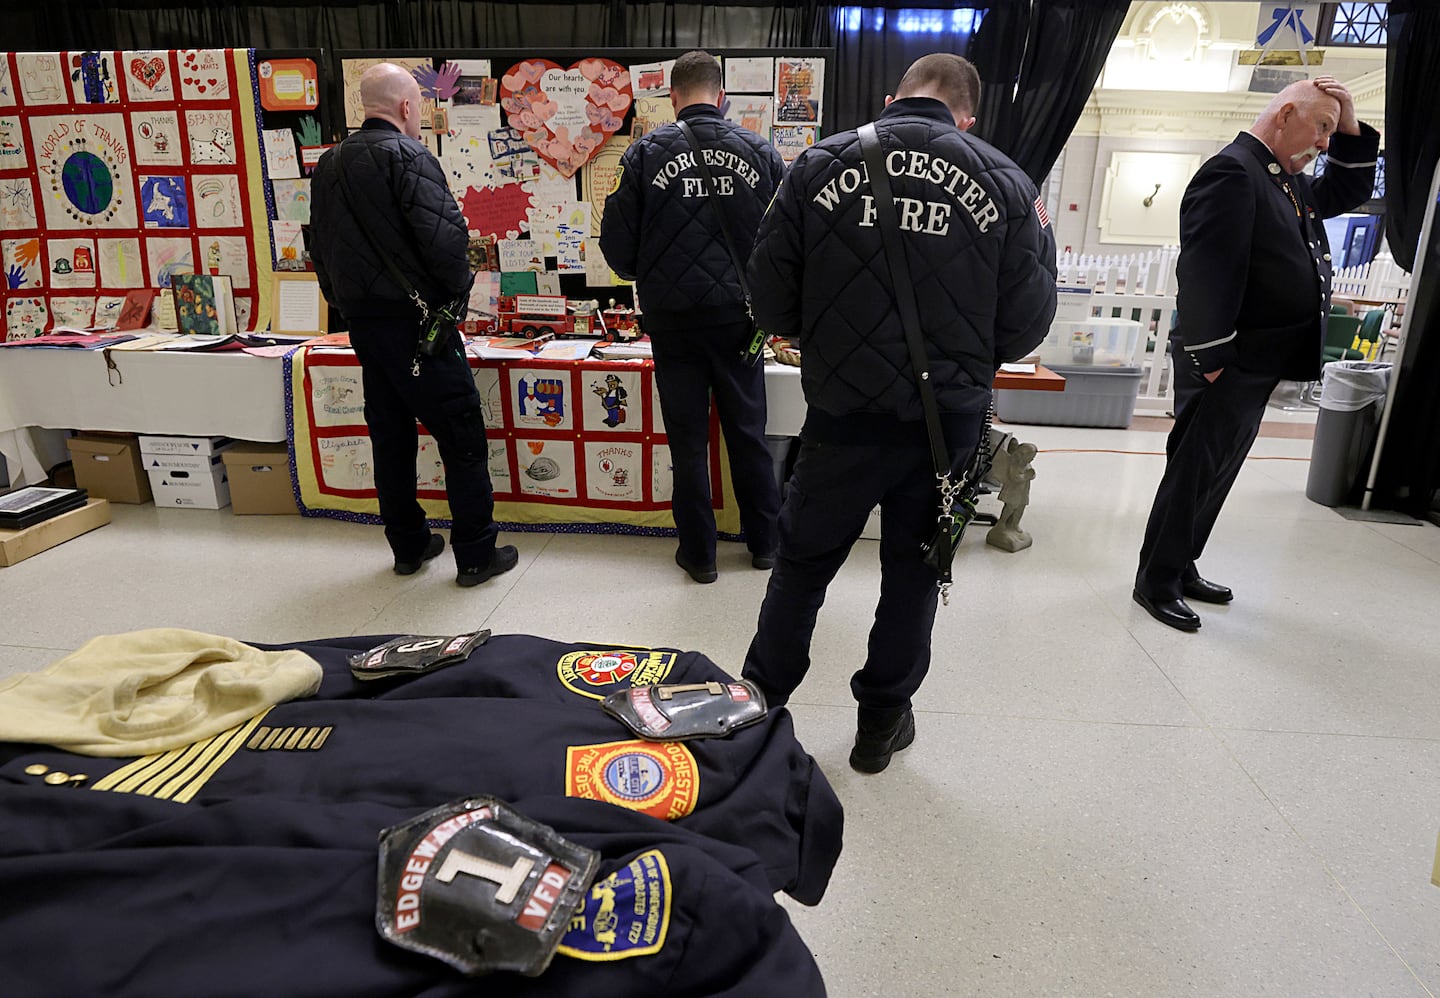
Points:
[[220, 394], [192, 394]]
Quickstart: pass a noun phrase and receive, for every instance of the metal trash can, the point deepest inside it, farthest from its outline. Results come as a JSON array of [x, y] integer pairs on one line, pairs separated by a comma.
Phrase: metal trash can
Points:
[[1352, 395]]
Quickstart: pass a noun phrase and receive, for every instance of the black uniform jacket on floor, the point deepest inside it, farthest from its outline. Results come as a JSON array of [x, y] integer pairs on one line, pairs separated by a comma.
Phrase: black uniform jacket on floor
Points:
[[121, 895], [520, 718]]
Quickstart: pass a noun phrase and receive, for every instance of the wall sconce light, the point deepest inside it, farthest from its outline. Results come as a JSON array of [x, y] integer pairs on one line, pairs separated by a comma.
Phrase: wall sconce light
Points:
[[1151, 199]]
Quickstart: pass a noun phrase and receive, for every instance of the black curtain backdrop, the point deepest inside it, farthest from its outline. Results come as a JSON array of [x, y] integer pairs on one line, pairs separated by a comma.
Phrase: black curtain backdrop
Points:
[[1038, 59], [1066, 47], [1412, 121], [1038, 62], [1409, 478], [874, 46], [408, 24]]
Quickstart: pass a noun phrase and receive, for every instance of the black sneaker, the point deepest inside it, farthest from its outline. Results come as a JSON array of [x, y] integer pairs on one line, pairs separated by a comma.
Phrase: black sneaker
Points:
[[764, 562], [873, 749], [703, 574], [505, 559], [436, 545]]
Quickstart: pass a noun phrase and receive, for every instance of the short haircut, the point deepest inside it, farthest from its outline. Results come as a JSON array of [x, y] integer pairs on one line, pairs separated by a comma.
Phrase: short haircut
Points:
[[948, 78], [696, 74]]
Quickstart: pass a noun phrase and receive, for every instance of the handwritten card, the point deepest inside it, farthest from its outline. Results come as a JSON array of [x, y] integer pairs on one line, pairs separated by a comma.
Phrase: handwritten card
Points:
[[281, 160]]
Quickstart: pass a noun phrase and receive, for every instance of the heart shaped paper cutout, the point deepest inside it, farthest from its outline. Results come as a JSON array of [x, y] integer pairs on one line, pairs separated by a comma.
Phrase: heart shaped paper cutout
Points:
[[149, 73], [566, 115]]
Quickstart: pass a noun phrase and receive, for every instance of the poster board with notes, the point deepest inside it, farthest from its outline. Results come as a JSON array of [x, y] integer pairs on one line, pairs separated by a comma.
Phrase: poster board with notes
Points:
[[298, 306]]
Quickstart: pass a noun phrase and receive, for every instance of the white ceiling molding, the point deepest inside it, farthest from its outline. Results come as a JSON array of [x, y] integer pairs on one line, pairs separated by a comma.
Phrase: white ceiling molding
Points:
[[1178, 114], [1171, 31]]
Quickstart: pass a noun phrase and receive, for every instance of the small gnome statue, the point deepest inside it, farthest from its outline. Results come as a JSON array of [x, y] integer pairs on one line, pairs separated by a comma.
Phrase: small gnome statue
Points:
[[1014, 473]]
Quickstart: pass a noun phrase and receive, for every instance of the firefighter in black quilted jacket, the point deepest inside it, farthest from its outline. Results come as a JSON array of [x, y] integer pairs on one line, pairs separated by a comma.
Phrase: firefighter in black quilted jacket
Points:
[[981, 254], [661, 229], [397, 190]]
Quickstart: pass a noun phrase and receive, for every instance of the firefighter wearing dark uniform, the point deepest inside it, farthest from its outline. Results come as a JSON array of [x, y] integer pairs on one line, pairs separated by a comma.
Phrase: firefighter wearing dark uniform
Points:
[[661, 230], [983, 262], [1252, 306], [119, 894], [400, 190]]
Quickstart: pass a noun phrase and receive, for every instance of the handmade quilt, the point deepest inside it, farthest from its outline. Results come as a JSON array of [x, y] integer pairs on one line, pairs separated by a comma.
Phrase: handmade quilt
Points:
[[574, 446], [121, 169]]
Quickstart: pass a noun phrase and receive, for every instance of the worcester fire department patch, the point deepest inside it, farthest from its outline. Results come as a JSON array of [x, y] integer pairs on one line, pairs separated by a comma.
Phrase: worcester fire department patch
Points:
[[625, 915], [660, 779], [597, 672]]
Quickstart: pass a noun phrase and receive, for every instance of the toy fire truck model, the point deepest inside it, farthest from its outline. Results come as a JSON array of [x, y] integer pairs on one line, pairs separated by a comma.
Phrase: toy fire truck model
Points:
[[533, 315], [622, 323]]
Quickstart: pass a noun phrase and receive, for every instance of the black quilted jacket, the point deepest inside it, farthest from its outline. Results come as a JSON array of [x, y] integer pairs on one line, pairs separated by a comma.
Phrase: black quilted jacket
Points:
[[401, 189], [982, 263], [659, 229]]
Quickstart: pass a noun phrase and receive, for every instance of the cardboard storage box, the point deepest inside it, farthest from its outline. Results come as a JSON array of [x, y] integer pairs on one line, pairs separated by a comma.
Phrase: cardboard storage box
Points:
[[260, 479], [17, 545], [191, 446], [107, 466], [198, 482]]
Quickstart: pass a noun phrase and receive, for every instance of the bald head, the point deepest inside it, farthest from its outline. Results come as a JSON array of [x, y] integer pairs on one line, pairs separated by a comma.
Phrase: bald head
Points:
[[389, 92], [1297, 124], [948, 78]]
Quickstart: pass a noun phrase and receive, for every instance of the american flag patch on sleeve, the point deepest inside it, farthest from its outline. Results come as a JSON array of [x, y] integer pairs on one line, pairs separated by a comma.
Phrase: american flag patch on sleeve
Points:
[[1041, 212]]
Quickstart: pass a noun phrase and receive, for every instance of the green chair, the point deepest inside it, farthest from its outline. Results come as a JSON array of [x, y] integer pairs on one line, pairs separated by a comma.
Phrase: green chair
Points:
[[1339, 334], [1372, 326]]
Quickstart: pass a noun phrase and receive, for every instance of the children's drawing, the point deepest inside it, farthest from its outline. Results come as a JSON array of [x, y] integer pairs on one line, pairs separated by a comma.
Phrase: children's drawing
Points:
[[120, 264], [20, 259], [42, 80], [217, 201], [292, 200], [156, 138], [72, 262], [147, 76], [164, 203], [204, 75], [25, 318], [17, 204], [212, 137], [168, 257], [94, 79]]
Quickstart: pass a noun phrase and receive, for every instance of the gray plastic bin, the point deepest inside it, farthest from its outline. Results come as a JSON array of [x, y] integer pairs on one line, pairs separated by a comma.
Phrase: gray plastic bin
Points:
[[1352, 394], [1093, 396]]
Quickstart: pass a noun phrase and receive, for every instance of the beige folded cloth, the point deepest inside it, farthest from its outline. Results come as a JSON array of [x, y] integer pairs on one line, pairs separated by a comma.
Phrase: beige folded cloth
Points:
[[149, 691]]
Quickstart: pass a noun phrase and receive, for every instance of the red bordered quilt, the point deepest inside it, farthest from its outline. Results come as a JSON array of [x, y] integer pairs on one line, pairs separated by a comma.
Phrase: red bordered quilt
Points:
[[120, 169], [570, 443]]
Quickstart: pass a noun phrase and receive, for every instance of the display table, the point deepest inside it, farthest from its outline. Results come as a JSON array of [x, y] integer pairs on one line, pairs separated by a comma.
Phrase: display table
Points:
[[785, 402], [196, 394], [576, 445]]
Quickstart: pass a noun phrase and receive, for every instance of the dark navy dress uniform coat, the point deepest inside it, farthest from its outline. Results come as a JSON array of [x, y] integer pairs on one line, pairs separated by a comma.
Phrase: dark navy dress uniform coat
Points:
[[1254, 300]]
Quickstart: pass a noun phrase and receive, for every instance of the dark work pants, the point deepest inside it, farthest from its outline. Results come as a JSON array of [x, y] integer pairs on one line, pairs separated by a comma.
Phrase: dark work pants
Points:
[[830, 496], [1215, 424], [445, 399], [690, 365]]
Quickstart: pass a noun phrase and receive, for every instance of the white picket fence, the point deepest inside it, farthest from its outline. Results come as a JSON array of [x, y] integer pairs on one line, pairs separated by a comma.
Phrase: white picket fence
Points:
[[1379, 280], [1141, 287]]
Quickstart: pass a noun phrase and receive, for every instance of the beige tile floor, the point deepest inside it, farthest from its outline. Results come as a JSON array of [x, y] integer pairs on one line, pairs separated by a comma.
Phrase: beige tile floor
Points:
[[1095, 804]]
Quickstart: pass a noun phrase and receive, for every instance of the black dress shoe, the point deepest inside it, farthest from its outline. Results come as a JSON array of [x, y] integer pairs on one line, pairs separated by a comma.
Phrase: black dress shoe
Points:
[[1207, 592], [436, 545], [874, 748], [764, 562], [506, 558], [702, 574], [1171, 612]]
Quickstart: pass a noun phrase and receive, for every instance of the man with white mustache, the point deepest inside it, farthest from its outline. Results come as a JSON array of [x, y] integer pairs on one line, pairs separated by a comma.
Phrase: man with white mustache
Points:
[[1253, 302]]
